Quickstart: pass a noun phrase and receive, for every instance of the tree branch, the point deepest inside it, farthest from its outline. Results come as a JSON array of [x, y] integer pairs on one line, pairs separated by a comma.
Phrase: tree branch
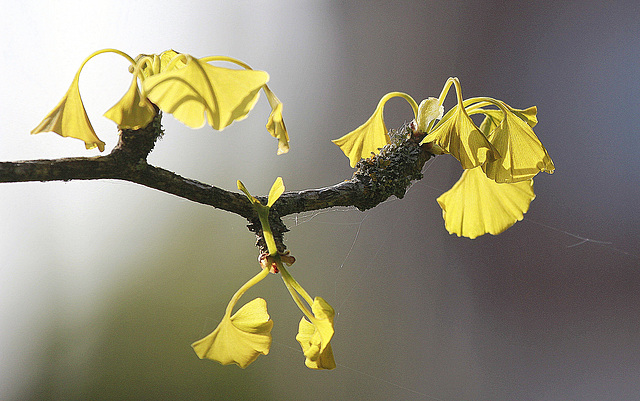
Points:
[[388, 173]]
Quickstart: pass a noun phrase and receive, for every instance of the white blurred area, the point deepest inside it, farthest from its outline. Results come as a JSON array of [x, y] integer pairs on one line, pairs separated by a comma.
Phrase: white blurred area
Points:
[[104, 284], [66, 248]]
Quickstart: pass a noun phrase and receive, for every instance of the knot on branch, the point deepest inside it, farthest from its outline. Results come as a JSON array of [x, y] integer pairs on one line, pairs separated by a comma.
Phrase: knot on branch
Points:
[[278, 228], [135, 145], [391, 171]]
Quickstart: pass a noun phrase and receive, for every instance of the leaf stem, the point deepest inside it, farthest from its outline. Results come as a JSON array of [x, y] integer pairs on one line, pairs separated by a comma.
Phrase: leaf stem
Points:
[[253, 281]]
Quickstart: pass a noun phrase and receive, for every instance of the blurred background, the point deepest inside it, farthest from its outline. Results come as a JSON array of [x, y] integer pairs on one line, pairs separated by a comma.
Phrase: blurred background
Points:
[[105, 284]]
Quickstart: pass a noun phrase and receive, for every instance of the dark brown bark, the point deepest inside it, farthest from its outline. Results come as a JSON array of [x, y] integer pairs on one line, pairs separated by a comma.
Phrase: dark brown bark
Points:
[[376, 179]]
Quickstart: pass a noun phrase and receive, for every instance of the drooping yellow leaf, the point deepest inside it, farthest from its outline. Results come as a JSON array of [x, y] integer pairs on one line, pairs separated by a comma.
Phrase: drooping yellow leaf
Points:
[[239, 339], [200, 90], [166, 57], [529, 115], [314, 337], [522, 154], [275, 124], [371, 136], [493, 117], [324, 314], [70, 119], [366, 139], [151, 64], [477, 205], [491, 120], [310, 340], [458, 135], [131, 112]]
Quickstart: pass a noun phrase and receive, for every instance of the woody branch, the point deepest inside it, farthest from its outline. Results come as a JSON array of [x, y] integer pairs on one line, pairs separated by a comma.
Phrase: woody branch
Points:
[[376, 179]]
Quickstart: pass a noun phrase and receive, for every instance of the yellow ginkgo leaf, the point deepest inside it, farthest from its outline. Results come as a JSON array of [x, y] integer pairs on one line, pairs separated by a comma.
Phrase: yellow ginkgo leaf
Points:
[[314, 337], [151, 64], [477, 205], [70, 119], [458, 135], [529, 115], [367, 138], [522, 154], [492, 118], [324, 314], [131, 112], [372, 135], [275, 124], [276, 190], [199, 89], [239, 339], [310, 340]]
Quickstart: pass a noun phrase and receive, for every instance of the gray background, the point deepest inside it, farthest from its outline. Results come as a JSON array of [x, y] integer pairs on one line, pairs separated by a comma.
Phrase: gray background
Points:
[[103, 285]]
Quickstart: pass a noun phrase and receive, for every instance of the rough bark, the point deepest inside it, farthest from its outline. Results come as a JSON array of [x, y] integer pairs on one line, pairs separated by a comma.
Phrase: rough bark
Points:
[[389, 173]]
